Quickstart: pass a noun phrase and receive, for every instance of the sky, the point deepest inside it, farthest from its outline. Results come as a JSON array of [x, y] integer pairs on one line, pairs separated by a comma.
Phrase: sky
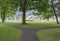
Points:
[[30, 12]]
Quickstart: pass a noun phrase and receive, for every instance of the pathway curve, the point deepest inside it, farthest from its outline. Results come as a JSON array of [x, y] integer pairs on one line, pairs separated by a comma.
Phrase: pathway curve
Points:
[[30, 34]]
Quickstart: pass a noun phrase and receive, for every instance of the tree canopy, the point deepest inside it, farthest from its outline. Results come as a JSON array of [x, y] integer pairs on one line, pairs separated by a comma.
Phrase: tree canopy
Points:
[[10, 6]]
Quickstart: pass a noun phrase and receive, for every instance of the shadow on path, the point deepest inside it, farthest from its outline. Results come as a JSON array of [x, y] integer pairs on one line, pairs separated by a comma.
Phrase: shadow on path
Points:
[[30, 34]]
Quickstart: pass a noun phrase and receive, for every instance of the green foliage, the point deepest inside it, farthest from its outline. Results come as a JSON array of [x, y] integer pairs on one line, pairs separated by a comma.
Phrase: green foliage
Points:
[[10, 6], [44, 9], [47, 15], [40, 5], [6, 9]]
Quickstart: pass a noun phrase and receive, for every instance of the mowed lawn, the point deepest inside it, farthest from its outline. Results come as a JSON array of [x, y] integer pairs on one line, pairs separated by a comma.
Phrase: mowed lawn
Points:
[[40, 24], [9, 33], [13, 34], [49, 35], [32, 24]]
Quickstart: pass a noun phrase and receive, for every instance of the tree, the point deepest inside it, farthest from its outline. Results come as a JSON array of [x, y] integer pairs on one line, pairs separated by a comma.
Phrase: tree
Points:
[[45, 14], [5, 9], [24, 5], [53, 9], [57, 6]]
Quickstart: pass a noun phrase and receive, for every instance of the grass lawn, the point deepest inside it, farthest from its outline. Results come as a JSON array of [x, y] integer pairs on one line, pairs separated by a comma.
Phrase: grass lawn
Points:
[[32, 24], [49, 35], [40, 24], [9, 33]]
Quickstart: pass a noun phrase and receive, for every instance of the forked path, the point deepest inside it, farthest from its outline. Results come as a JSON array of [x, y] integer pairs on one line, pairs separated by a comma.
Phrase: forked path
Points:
[[30, 34]]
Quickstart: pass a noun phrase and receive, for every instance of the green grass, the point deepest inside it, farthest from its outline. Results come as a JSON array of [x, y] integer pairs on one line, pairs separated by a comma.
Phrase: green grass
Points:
[[9, 33], [40, 24], [49, 35], [32, 24]]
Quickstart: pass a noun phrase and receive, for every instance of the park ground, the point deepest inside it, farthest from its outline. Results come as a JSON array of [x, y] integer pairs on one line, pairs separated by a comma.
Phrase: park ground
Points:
[[8, 33]]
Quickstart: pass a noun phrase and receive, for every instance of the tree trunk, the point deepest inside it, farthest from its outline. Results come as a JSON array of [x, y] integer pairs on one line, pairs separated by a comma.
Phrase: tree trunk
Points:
[[48, 19], [3, 18], [24, 16], [55, 13]]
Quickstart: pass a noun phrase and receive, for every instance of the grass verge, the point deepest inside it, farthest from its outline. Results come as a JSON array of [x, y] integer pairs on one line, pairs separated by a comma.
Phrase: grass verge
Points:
[[9, 33], [32, 24], [49, 35]]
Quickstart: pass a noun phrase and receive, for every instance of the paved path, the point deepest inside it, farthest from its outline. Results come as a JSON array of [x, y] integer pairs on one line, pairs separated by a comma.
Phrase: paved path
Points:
[[30, 34], [27, 34]]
